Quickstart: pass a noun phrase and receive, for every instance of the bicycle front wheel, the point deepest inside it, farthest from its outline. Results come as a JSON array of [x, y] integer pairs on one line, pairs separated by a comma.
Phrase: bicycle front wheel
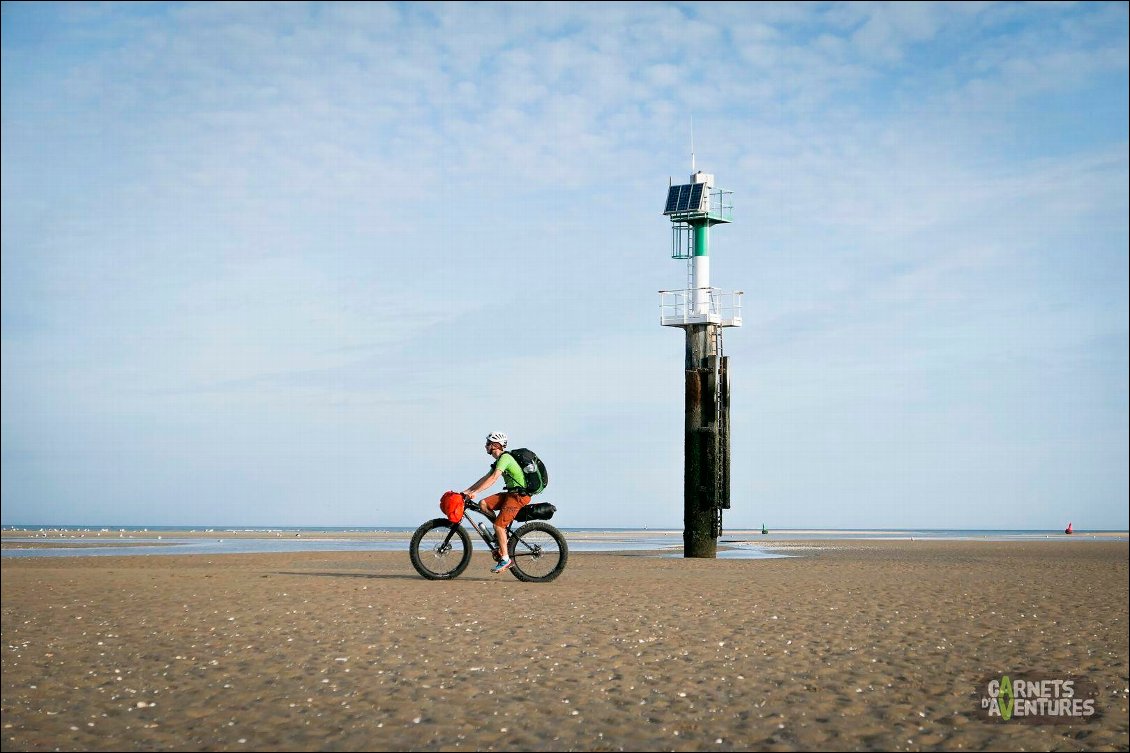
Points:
[[538, 551], [440, 549]]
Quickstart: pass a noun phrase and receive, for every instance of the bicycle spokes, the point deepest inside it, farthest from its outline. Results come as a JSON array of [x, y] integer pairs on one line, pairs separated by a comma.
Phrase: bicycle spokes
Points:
[[539, 551], [440, 550]]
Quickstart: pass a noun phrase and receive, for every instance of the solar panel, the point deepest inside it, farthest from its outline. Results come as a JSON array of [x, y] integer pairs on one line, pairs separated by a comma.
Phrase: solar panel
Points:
[[672, 199], [696, 197], [684, 198]]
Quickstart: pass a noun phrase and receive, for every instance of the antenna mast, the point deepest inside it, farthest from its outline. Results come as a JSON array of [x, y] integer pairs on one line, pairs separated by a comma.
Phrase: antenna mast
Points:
[[692, 144]]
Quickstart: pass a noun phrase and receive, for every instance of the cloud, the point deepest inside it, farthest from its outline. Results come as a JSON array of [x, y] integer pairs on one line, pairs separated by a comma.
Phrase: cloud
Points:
[[313, 239]]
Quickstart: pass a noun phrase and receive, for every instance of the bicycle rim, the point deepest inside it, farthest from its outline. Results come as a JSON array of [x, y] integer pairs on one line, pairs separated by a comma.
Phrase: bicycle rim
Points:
[[440, 549], [538, 551]]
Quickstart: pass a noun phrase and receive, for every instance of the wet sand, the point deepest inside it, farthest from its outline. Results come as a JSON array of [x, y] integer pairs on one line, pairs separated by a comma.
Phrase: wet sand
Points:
[[856, 645]]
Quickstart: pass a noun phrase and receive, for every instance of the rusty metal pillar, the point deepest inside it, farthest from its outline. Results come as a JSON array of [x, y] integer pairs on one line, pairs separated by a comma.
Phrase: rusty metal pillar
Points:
[[703, 467]]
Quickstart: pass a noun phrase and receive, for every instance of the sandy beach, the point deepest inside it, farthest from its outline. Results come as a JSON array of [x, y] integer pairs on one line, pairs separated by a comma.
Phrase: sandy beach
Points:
[[855, 645]]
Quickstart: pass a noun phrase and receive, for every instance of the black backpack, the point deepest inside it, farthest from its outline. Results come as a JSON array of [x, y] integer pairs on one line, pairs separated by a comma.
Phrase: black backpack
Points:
[[537, 478]]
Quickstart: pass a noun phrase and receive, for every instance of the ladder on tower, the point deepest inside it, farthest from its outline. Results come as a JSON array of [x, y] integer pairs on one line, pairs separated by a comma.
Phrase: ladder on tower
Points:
[[722, 419]]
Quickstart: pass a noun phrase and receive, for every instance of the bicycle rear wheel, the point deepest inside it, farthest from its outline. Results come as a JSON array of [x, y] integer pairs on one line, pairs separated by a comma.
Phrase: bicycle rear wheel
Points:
[[440, 549], [538, 551]]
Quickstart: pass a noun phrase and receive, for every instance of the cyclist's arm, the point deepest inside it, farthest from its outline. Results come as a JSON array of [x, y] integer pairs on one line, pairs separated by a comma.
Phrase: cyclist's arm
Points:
[[484, 483]]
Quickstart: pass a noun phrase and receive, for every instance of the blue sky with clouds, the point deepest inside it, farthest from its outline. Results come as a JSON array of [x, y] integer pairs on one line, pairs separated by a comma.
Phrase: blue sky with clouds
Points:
[[286, 264]]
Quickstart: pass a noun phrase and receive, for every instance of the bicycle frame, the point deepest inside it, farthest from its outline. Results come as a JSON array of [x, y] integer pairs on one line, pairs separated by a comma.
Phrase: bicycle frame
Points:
[[485, 533]]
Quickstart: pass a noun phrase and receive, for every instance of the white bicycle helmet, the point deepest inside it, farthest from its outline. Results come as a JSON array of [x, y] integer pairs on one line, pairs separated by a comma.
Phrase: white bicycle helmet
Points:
[[498, 436]]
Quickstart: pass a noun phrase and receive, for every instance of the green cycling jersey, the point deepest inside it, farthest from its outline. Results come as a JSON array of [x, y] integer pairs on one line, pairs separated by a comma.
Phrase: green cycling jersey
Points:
[[511, 472]]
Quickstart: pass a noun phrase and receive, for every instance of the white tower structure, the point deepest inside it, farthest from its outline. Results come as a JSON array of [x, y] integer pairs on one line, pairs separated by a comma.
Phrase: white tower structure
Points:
[[702, 312]]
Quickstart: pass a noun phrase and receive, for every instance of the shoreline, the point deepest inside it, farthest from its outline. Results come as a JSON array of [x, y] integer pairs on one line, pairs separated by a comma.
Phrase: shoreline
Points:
[[738, 544], [745, 536], [734, 544]]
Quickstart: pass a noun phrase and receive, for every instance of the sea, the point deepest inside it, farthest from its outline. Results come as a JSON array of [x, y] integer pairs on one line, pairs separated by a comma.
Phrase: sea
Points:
[[132, 541]]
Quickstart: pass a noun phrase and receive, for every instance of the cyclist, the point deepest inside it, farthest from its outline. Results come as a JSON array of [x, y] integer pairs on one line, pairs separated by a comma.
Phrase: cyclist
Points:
[[507, 503]]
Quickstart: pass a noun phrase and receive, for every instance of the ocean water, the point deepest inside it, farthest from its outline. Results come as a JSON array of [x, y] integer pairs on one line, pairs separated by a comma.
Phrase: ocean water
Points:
[[740, 544], [80, 542]]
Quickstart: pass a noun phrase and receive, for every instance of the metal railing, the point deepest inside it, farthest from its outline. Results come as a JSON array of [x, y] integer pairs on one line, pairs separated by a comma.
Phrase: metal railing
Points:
[[722, 204], [700, 305]]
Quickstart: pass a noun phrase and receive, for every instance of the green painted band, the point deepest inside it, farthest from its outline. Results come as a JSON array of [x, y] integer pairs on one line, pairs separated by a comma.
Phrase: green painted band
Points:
[[702, 240]]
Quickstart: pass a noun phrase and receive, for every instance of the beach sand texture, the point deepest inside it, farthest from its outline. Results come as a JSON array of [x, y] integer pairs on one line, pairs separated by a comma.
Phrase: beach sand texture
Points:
[[859, 645]]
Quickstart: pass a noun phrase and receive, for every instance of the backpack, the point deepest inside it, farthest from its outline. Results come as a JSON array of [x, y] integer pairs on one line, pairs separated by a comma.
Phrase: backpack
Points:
[[537, 478]]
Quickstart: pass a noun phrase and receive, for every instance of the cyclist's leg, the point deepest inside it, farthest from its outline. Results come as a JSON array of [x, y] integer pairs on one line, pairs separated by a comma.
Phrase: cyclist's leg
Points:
[[508, 505], [492, 505]]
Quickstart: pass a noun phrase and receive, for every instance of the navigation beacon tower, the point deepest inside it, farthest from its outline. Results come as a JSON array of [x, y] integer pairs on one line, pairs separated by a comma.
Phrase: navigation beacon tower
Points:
[[703, 311]]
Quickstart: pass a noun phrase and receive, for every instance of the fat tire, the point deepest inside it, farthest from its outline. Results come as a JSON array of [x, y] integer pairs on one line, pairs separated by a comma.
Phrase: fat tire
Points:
[[520, 553], [418, 558]]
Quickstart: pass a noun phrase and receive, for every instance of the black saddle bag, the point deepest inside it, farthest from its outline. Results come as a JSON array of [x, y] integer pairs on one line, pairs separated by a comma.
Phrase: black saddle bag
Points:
[[535, 511]]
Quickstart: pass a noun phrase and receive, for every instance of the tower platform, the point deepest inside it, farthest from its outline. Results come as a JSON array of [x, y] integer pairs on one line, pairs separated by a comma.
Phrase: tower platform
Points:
[[678, 308]]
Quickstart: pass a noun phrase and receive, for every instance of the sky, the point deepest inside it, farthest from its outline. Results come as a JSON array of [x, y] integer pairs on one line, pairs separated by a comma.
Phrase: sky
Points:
[[288, 264]]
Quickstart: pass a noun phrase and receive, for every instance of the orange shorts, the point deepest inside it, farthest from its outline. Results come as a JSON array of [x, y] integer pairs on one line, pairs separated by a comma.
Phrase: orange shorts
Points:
[[507, 504]]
